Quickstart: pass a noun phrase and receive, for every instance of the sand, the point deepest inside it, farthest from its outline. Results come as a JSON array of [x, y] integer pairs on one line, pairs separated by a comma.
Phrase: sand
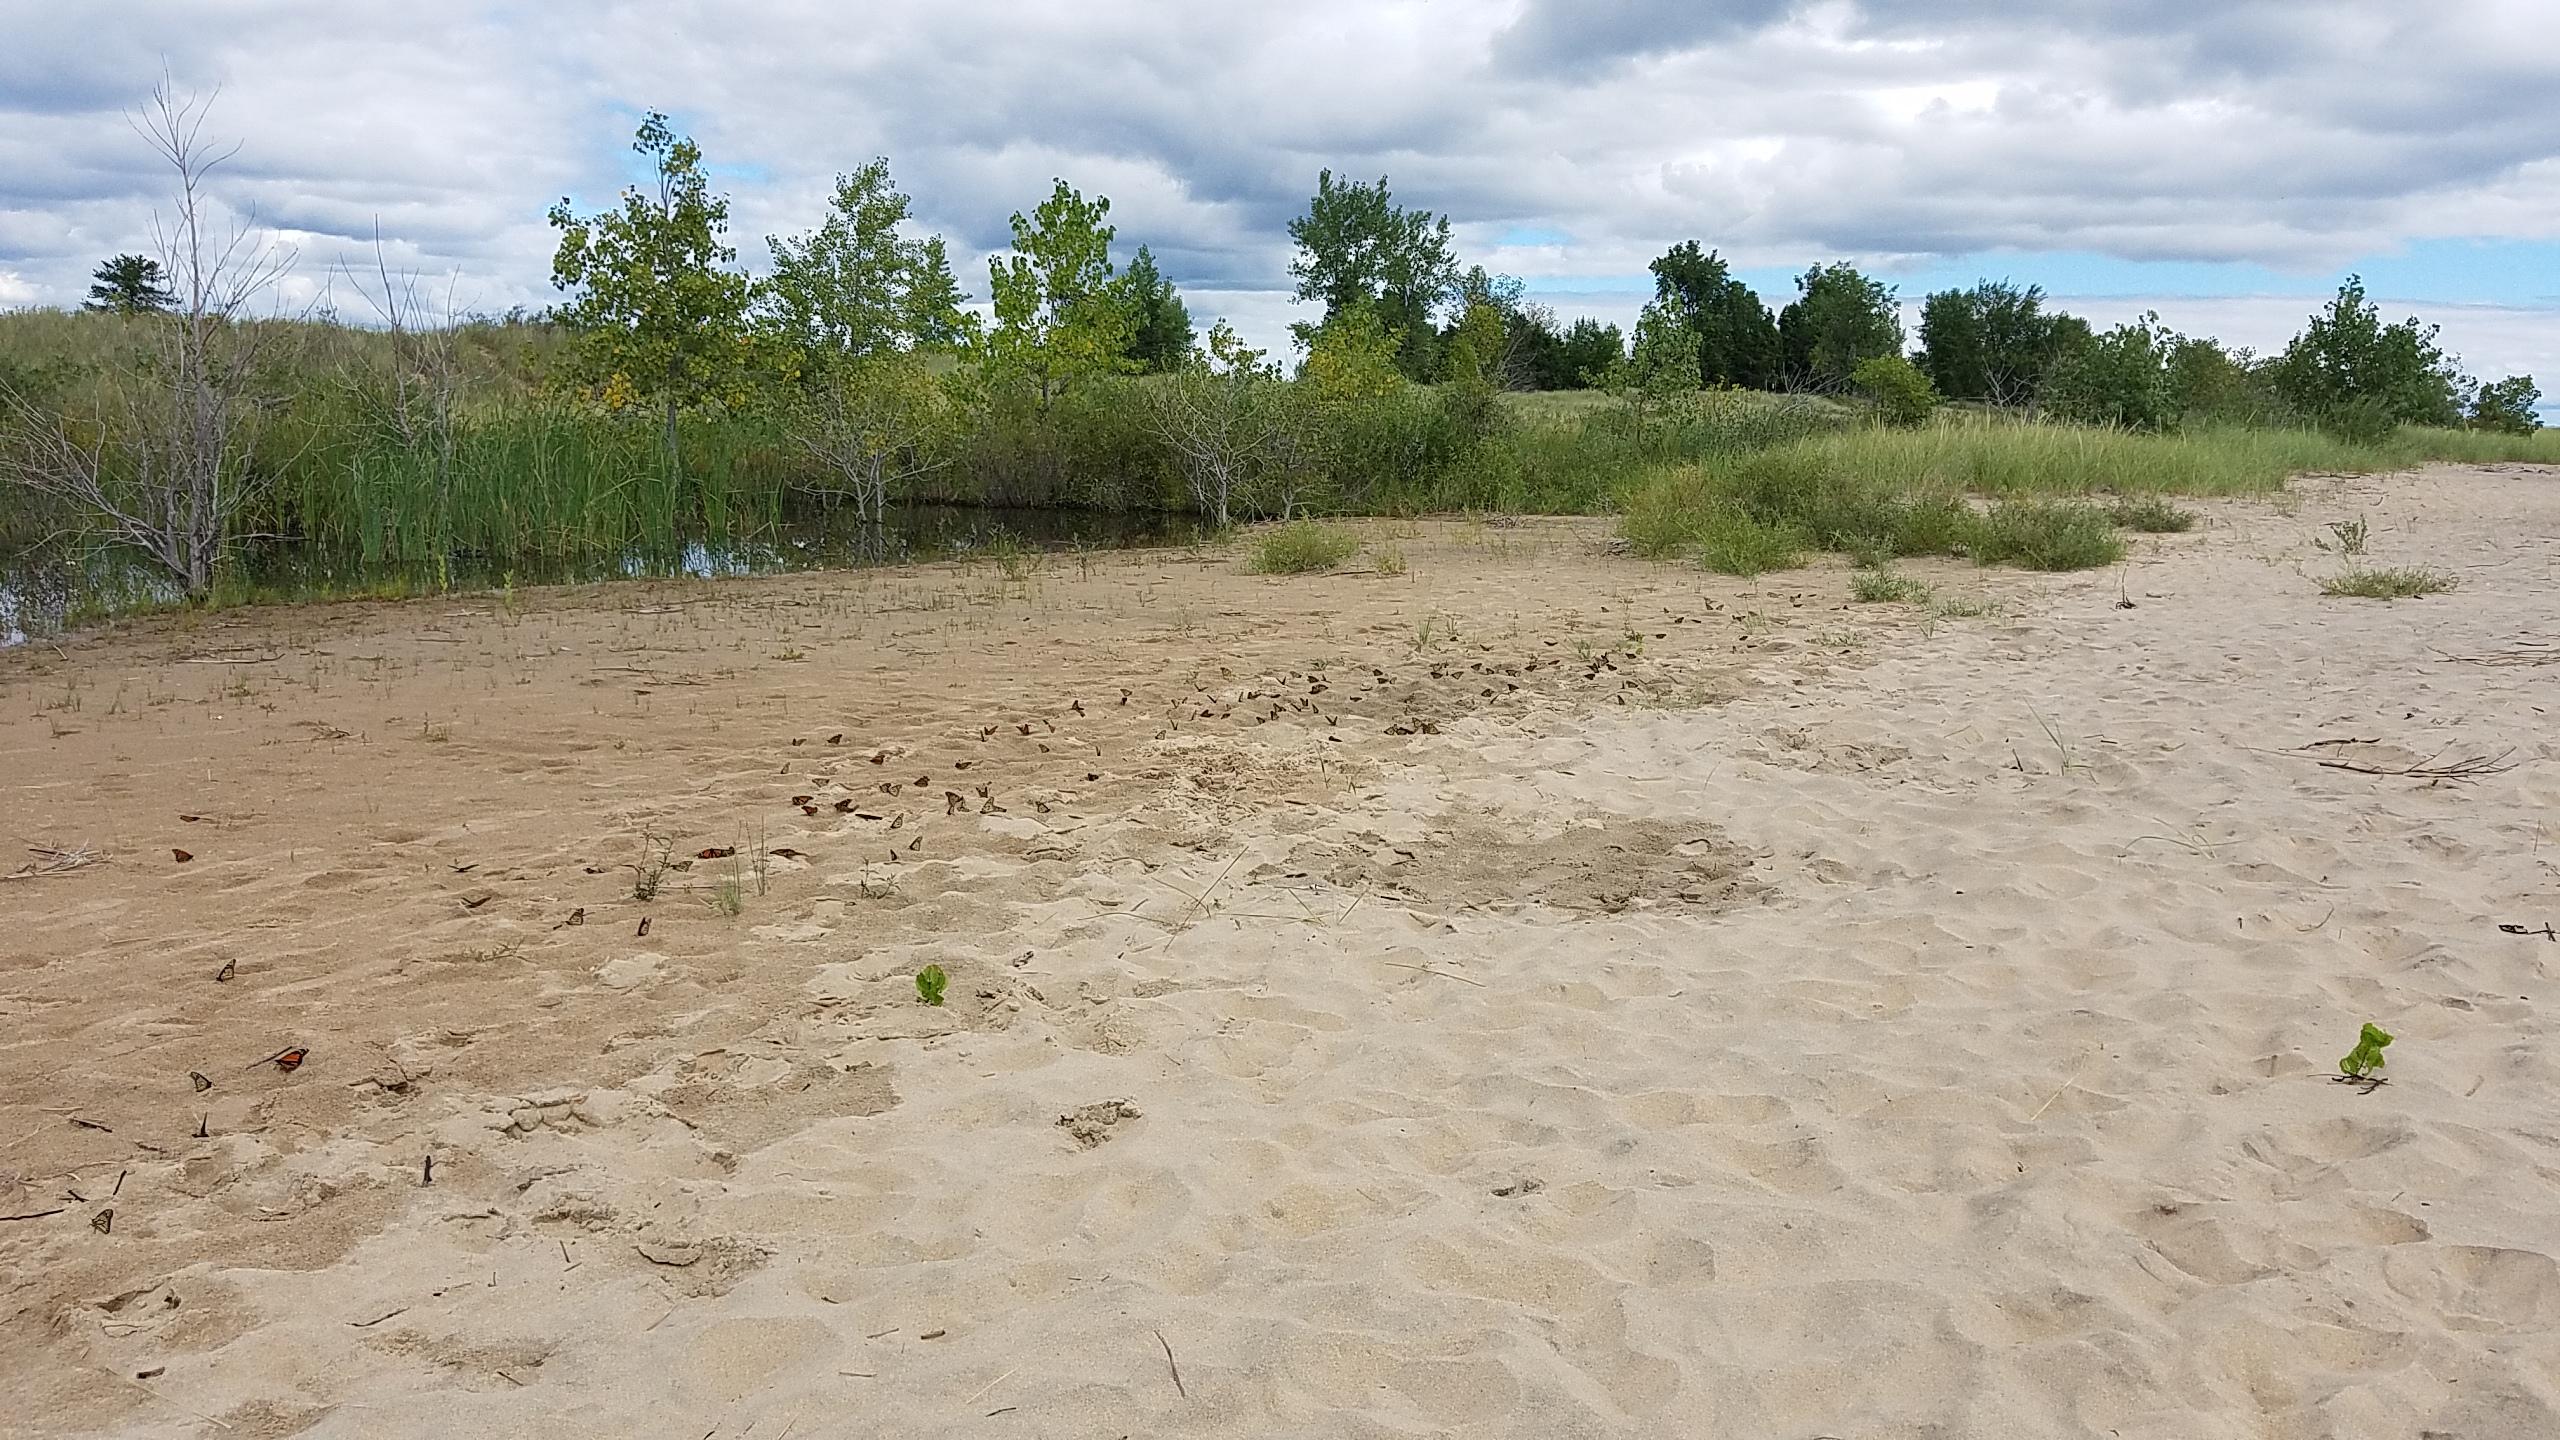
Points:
[[1542, 994]]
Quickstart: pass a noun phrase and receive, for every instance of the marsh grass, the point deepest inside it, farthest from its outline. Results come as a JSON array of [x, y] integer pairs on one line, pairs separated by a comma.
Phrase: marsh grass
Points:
[[2396, 583], [2044, 535], [1302, 547], [1732, 542]]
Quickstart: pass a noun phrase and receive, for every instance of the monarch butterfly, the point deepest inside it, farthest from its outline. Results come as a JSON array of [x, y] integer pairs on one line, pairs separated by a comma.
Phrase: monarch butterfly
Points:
[[286, 1060]]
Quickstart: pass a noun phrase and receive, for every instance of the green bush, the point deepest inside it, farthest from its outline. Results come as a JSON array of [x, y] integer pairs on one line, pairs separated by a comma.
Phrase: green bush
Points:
[[2044, 535], [1732, 543], [1902, 395], [1880, 587], [2507, 406], [2394, 584], [2152, 515], [1302, 547]]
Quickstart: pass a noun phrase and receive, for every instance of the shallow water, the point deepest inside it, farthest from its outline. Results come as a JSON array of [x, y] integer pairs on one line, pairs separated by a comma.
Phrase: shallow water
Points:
[[38, 597]]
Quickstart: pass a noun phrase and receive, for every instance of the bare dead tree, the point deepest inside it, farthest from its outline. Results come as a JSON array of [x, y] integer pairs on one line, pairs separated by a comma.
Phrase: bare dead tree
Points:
[[873, 425], [161, 467], [1228, 429], [418, 407]]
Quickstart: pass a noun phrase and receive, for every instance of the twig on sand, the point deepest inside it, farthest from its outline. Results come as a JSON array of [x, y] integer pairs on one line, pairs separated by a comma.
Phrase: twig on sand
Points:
[[2056, 1095], [52, 861], [990, 1385], [1170, 1365], [1443, 974], [2470, 767], [1200, 902]]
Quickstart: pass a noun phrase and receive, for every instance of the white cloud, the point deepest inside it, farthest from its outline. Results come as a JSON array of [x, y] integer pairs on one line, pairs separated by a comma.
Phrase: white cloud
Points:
[[15, 290], [2280, 132]]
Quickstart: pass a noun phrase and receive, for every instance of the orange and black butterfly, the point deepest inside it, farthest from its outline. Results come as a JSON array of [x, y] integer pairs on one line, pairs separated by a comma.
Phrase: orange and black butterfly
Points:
[[287, 1060]]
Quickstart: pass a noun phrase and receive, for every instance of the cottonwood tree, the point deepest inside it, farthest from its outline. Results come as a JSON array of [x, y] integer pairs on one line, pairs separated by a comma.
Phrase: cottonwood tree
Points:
[[2347, 363], [1359, 250], [863, 318], [659, 316], [161, 466], [1160, 332], [1994, 342], [1225, 417], [1737, 337], [1838, 318], [1058, 318], [1658, 378], [2509, 406], [130, 285]]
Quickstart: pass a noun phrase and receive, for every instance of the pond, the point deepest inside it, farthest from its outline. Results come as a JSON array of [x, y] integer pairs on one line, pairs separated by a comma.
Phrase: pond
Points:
[[39, 596]]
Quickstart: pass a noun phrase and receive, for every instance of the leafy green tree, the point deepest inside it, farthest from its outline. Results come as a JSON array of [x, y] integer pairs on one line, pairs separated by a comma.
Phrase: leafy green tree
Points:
[[1059, 319], [855, 286], [1839, 317], [1358, 249], [2119, 378], [659, 317], [2208, 382], [131, 285], [1588, 350], [1737, 337], [1225, 415], [2508, 405], [1901, 393], [1509, 334], [1993, 342], [1160, 324], [1659, 376], [2346, 359]]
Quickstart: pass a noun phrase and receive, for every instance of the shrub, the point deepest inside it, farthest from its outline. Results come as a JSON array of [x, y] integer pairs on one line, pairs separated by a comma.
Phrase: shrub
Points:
[[1302, 547], [2395, 584], [2120, 378], [2152, 515], [1902, 395], [2507, 406], [1881, 587], [2044, 535], [1733, 543]]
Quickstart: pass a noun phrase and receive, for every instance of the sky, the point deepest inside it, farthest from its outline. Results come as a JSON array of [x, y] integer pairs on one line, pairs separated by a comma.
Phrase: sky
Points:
[[2223, 162]]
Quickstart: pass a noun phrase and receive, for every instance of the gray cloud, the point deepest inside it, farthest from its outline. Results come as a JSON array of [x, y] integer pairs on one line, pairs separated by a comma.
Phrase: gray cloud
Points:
[[2280, 132]]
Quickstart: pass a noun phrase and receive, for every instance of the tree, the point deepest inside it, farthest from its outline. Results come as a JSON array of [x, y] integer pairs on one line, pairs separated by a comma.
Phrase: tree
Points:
[[1659, 376], [2210, 383], [659, 318], [1993, 342], [2507, 405], [1587, 352], [1901, 393], [1358, 248], [131, 285], [1058, 318], [856, 287], [1223, 413], [1839, 317], [1160, 332], [2120, 378], [162, 463], [1510, 330], [2346, 359], [1737, 338], [875, 422]]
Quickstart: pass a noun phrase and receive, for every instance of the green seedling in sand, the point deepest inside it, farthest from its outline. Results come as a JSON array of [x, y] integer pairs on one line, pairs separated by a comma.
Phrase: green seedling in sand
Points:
[[2362, 1061], [930, 982]]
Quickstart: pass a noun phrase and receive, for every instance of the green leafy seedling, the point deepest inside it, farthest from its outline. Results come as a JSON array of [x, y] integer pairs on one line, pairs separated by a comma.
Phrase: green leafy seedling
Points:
[[2362, 1061], [930, 980]]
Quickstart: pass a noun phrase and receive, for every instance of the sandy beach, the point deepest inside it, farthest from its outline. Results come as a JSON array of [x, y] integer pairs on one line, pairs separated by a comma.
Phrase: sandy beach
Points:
[[1543, 993]]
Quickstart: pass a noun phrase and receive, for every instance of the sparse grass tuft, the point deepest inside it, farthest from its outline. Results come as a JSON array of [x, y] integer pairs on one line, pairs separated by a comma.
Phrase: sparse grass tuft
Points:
[[2151, 515], [2044, 535], [1963, 607], [1302, 547], [2401, 583], [1883, 587], [1390, 560]]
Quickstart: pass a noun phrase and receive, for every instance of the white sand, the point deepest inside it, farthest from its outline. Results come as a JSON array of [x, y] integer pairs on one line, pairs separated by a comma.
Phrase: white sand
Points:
[[1928, 1042]]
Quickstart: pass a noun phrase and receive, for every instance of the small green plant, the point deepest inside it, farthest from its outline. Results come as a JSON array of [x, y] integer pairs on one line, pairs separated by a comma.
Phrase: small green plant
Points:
[[2350, 535], [2405, 583], [1902, 394], [1302, 547], [1963, 607], [929, 984], [2362, 1061], [728, 896], [2044, 535], [1013, 560], [1732, 543], [1390, 560], [1881, 587], [2152, 515]]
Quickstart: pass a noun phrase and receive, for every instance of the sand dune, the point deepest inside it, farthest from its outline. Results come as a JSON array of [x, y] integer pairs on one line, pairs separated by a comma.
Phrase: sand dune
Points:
[[1545, 994]]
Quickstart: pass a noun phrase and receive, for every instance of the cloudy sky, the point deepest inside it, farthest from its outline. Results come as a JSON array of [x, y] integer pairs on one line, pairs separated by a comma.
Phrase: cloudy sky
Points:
[[2222, 161]]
